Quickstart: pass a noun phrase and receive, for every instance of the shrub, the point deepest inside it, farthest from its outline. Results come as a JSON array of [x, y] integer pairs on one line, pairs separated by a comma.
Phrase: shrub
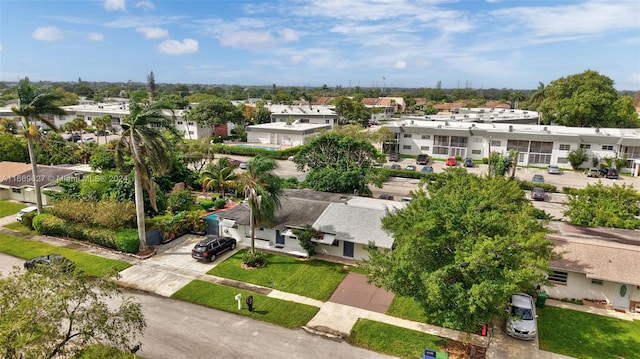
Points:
[[577, 157], [37, 222], [527, 186], [109, 213], [206, 204], [180, 200], [305, 237], [485, 160], [254, 259], [27, 219], [219, 203], [127, 240], [570, 191]]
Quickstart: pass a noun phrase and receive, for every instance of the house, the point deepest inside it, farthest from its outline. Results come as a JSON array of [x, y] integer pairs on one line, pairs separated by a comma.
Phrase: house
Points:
[[348, 224], [600, 264], [309, 114], [284, 133], [17, 180]]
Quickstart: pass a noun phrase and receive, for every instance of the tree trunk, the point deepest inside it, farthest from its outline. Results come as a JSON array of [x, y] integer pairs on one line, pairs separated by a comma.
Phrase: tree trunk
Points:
[[139, 199], [252, 226], [34, 173]]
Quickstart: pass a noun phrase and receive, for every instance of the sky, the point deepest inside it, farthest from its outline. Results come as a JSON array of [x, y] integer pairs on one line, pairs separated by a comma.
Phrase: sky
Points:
[[369, 43]]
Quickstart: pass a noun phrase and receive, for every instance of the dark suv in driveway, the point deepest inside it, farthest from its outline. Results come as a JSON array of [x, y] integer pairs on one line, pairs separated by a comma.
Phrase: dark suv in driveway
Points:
[[210, 247]]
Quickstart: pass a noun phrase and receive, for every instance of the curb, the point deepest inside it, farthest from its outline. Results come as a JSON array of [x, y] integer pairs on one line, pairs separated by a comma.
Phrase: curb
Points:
[[326, 332]]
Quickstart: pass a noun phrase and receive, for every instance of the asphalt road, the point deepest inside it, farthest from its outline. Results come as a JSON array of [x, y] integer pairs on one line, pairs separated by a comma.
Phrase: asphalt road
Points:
[[177, 329]]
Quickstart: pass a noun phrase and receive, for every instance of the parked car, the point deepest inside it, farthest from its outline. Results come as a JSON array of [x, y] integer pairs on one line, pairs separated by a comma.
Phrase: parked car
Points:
[[49, 260], [537, 179], [396, 166], [593, 172], [394, 157], [233, 162], [422, 159], [25, 210], [451, 161], [427, 169], [209, 248], [522, 322], [611, 173], [386, 196], [468, 162], [242, 165], [553, 170], [537, 194], [410, 168]]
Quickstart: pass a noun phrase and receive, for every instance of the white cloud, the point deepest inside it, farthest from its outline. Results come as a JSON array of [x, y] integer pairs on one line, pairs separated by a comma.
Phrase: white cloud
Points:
[[146, 5], [400, 65], [175, 47], [288, 35], [47, 33], [112, 5], [95, 36], [153, 32], [246, 39], [0, 47]]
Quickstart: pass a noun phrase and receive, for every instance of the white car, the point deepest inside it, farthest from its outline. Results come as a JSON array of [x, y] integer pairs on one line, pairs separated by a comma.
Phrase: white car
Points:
[[25, 210], [522, 320]]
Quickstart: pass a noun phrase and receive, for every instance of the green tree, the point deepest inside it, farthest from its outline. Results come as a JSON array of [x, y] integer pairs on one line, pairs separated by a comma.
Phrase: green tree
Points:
[[598, 205], [305, 236], [338, 163], [215, 111], [102, 124], [462, 247], [219, 176], [12, 148], [263, 190], [587, 99], [179, 201], [33, 104], [499, 164], [352, 112], [516, 97], [48, 312], [577, 157], [148, 149]]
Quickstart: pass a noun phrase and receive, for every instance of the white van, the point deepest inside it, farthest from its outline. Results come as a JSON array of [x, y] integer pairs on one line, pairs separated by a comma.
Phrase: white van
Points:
[[25, 210]]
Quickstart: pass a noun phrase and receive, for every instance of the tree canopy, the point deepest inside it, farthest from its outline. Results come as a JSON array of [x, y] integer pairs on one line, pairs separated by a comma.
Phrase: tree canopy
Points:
[[587, 99], [215, 111], [49, 312], [462, 247], [606, 206], [338, 163]]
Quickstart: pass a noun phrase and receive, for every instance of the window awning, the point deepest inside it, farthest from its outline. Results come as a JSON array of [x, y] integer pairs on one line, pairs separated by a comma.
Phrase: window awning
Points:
[[323, 240]]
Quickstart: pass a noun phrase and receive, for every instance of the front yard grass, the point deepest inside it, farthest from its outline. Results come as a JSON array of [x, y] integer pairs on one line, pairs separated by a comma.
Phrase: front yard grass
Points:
[[8, 208], [310, 278], [406, 308], [393, 340], [587, 336], [95, 266], [277, 311], [17, 226]]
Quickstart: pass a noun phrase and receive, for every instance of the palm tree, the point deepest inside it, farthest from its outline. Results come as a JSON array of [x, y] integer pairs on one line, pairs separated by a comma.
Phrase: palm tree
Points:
[[516, 97], [148, 149], [102, 124], [263, 190], [33, 104], [219, 176]]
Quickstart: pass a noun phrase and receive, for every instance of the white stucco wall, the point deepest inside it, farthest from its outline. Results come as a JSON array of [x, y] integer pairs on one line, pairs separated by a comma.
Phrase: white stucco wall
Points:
[[580, 287]]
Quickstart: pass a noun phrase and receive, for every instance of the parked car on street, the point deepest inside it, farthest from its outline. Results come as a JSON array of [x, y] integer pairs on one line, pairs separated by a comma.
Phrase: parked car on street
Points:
[[522, 321], [410, 168], [422, 159], [468, 162], [537, 179], [610, 173], [427, 169], [209, 248], [394, 157], [234, 162], [451, 161], [537, 194], [242, 165], [50, 260], [553, 170], [25, 210], [593, 172], [396, 166], [386, 196]]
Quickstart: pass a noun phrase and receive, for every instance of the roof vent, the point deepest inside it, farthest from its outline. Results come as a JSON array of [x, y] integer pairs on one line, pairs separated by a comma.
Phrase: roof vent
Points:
[[597, 129], [510, 128], [545, 129]]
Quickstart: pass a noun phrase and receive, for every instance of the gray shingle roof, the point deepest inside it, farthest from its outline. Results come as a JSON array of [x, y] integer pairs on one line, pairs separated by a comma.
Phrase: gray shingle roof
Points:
[[354, 224]]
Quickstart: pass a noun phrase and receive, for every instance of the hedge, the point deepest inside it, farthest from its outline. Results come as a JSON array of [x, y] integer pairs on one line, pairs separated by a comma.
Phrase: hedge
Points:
[[253, 151], [125, 240]]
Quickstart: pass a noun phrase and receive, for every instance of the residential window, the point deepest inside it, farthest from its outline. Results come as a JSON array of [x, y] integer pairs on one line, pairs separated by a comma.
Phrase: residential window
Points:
[[424, 148], [191, 132], [496, 143], [458, 141], [539, 158], [407, 135], [89, 118], [596, 282], [425, 137], [440, 150], [558, 277], [607, 147], [586, 146], [563, 160], [304, 120], [179, 122], [518, 145], [476, 152], [406, 147], [541, 147], [16, 190], [441, 140], [565, 147], [190, 123]]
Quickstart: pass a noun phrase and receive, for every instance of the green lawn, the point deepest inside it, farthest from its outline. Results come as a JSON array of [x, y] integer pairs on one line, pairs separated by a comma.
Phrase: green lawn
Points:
[[17, 226], [93, 265], [277, 311], [8, 208], [406, 308], [310, 278], [587, 336], [396, 341]]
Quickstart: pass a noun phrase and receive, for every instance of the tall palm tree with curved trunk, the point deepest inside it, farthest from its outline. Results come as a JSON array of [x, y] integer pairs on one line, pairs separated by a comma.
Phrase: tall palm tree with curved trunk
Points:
[[33, 104], [143, 143], [219, 176], [263, 190]]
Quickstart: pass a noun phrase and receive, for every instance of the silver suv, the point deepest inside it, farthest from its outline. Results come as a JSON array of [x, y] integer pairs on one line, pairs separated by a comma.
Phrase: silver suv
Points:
[[522, 320]]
